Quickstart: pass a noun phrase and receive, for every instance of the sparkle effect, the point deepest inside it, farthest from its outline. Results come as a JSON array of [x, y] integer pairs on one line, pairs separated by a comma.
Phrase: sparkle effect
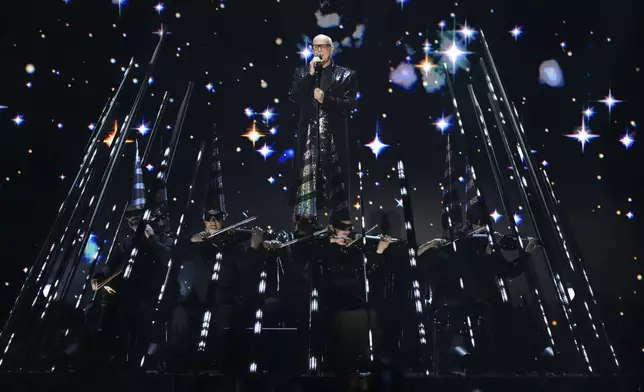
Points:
[[627, 141], [376, 146], [610, 101], [583, 135], [443, 123], [516, 32], [253, 134], [44, 93]]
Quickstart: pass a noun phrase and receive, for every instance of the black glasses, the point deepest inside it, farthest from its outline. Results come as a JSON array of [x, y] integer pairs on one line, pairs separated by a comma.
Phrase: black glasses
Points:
[[320, 47], [343, 226], [218, 216]]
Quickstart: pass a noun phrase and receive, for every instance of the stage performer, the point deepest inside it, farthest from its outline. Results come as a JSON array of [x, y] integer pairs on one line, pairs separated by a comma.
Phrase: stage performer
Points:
[[134, 299], [345, 317], [327, 93], [220, 281]]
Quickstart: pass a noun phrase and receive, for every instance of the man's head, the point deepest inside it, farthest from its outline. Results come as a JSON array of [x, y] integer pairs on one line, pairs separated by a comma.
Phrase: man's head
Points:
[[133, 218], [323, 45], [343, 228], [213, 220]]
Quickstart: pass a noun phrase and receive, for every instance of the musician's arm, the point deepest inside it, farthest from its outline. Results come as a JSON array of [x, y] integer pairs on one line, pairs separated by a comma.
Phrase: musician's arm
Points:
[[161, 245], [433, 244]]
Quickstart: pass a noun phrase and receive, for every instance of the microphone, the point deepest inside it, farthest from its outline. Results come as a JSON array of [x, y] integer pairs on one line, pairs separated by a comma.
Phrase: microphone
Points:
[[319, 57]]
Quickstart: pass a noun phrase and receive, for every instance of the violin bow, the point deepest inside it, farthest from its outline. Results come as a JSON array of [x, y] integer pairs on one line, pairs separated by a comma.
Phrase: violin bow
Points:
[[359, 236], [295, 241], [228, 228]]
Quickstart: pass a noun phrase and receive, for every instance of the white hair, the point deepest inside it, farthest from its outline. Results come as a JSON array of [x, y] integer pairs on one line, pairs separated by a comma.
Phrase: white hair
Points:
[[324, 37]]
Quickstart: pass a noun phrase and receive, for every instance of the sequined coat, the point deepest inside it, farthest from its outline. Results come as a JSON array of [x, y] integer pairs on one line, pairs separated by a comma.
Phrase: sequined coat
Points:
[[340, 98]]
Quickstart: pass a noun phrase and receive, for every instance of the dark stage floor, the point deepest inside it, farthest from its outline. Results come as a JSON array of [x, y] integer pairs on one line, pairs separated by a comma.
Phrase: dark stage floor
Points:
[[46, 382]]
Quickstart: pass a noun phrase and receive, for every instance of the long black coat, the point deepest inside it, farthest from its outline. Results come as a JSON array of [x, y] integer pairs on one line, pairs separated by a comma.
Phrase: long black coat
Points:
[[340, 98]]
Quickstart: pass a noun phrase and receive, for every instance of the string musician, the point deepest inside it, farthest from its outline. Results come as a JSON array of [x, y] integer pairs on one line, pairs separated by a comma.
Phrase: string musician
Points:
[[465, 283], [217, 283], [218, 279], [336, 271], [123, 309]]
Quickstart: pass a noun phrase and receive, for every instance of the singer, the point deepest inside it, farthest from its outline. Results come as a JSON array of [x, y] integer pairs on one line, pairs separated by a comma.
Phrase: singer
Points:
[[326, 93]]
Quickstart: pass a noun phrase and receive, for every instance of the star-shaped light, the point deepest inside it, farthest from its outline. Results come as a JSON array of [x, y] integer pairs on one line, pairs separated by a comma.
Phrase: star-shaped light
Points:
[[357, 205], [62, 177], [442, 24], [210, 87], [18, 120], [376, 146], [583, 135], [610, 101], [426, 65], [454, 53], [273, 131], [516, 32], [630, 215], [143, 129], [149, 167], [467, 32], [159, 8], [305, 53], [442, 124], [627, 141], [496, 216], [271, 180], [249, 112], [589, 112], [268, 114], [253, 134], [266, 151], [399, 203]]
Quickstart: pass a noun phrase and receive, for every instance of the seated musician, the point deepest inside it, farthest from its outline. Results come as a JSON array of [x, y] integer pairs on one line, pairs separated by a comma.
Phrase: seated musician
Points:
[[134, 302], [343, 295], [217, 279]]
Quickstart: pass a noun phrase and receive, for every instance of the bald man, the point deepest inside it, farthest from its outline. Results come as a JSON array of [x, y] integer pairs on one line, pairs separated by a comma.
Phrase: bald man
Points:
[[326, 93]]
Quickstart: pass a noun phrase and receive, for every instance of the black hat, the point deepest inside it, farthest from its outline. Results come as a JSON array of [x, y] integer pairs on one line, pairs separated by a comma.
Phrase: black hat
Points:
[[138, 187], [215, 193], [340, 215]]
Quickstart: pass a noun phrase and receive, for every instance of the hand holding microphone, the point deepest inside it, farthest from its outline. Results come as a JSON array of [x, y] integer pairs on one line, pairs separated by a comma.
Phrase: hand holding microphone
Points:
[[315, 63]]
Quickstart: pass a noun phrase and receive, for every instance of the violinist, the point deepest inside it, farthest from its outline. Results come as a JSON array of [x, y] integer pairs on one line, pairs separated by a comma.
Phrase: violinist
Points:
[[126, 308], [218, 282], [343, 294]]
